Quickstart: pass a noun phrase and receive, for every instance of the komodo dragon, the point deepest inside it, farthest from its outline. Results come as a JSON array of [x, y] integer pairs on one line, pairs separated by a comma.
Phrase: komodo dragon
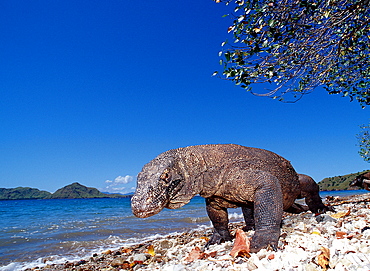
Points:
[[261, 182], [310, 192], [362, 181]]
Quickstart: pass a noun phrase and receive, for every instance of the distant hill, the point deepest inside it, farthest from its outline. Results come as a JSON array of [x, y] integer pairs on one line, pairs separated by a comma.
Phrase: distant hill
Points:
[[78, 191], [72, 191], [23, 193], [339, 182]]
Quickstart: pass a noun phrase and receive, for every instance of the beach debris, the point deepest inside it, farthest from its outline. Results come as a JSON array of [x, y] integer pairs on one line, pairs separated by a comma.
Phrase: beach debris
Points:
[[126, 251], [341, 214], [197, 254], [151, 250], [323, 258], [127, 266], [340, 234], [241, 246], [194, 254], [204, 238]]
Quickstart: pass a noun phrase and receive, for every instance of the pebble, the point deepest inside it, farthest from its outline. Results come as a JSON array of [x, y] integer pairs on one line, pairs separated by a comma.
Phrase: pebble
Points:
[[302, 238], [118, 262], [139, 258], [325, 218]]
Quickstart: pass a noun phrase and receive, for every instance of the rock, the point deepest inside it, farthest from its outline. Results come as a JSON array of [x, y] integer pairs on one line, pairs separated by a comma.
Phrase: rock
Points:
[[117, 262], [157, 259], [365, 229], [310, 267], [325, 218], [117, 253], [165, 244], [139, 258], [251, 266], [178, 267], [137, 267], [68, 264], [80, 262]]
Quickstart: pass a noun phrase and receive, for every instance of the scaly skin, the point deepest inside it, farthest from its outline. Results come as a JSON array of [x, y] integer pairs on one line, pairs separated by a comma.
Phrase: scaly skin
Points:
[[362, 181], [310, 192], [262, 183]]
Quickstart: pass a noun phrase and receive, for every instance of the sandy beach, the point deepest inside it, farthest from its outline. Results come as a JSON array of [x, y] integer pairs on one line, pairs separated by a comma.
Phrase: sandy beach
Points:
[[333, 241]]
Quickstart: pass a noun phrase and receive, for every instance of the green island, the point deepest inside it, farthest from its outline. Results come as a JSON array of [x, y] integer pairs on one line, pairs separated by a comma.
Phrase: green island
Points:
[[72, 191], [339, 182]]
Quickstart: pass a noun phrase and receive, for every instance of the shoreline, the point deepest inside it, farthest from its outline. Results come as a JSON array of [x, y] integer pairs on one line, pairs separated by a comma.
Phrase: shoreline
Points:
[[303, 237]]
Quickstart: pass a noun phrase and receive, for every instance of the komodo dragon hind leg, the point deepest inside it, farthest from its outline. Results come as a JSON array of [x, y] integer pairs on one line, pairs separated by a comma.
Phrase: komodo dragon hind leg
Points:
[[268, 210], [220, 220]]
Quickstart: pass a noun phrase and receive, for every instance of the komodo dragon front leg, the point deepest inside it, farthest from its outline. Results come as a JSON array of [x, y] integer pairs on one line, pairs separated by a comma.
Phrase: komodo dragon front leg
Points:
[[248, 214], [220, 220], [219, 217], [259, 194]]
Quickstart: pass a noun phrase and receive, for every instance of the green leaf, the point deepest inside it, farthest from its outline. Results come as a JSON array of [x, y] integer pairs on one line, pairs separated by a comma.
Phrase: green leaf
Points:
[[227, 56]]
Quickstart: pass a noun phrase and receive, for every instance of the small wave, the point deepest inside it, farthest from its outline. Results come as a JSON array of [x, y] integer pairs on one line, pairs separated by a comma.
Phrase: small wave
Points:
[[40, 262], [11, 267], [194, 219], [83, 250]]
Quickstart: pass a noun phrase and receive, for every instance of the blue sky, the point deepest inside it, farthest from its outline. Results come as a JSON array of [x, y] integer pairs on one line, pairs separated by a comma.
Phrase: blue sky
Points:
[[93, 90]]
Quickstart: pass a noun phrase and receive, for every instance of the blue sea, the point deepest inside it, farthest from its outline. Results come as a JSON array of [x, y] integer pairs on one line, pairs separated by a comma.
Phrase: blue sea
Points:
[[34, 232]]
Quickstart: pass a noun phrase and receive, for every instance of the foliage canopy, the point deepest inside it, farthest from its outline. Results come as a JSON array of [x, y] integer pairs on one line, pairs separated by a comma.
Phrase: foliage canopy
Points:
[[364, 142], [295, 46]]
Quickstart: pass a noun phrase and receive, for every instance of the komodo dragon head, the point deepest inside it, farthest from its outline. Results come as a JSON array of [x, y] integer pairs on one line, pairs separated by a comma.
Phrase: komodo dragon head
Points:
[[362, 181], [160, 185]]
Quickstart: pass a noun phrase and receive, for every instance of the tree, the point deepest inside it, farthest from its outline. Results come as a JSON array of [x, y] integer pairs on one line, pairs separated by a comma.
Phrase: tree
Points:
[[364, 142], [294, 46]]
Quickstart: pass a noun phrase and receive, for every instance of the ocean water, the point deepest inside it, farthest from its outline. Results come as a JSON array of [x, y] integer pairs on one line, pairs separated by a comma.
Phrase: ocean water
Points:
[[35, 232]]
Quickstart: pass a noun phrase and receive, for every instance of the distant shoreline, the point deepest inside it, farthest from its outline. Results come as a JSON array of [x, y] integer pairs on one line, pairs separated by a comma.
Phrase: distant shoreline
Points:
[[72, 191]]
